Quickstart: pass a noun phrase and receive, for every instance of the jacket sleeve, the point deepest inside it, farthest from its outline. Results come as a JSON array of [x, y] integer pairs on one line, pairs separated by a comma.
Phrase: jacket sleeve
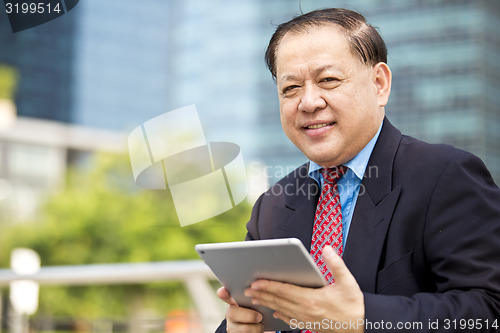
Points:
[[252, 225], [462, 249], [222, 327]]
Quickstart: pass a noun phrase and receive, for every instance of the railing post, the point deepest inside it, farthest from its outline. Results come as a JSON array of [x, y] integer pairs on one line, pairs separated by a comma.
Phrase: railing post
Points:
[[206, 302]]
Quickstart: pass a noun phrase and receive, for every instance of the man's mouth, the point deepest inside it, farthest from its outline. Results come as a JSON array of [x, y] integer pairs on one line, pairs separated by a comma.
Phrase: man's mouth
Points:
[[319, 125]]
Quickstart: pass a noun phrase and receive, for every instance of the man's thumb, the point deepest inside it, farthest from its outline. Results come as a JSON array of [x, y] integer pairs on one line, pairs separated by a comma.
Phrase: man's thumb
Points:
[[224, 295], [335, 264]]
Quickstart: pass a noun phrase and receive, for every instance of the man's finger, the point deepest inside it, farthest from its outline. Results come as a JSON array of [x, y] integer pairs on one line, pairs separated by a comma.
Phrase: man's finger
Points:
[[274, 290], [242, 315], [281, 288], [286, 298], [224, 295], [336, 265]]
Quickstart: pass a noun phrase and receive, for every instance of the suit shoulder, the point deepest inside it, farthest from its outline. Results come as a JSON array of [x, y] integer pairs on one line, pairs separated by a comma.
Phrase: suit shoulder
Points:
[[427, 162], [432, 154]]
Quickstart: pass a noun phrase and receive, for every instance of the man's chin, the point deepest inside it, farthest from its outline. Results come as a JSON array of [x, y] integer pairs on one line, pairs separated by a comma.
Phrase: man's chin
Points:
[[328, 158], [325, 163]]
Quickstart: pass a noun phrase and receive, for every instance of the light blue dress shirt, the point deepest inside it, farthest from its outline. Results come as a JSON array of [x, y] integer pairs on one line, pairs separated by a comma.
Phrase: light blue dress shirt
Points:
[[349, 185]]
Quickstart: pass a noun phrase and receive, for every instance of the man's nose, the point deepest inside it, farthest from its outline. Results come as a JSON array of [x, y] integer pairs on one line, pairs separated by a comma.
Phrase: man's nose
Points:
[[311, 100]]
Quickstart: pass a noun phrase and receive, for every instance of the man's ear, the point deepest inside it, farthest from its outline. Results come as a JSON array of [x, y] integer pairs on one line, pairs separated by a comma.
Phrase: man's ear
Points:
[[382, 78]]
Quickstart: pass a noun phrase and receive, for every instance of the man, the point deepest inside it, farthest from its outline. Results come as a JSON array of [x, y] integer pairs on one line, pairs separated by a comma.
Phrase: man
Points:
[[419, 223]]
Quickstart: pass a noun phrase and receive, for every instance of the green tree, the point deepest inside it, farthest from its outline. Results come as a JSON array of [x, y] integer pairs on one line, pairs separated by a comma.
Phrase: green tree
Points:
[[8, 82], [102, 217]]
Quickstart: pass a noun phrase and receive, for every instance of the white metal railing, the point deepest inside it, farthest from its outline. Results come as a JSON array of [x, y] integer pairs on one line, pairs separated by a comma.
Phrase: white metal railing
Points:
[[194, 273]]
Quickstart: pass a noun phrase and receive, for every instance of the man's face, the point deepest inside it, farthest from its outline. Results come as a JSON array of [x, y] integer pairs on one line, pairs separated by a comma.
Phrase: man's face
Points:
[[329, 102]]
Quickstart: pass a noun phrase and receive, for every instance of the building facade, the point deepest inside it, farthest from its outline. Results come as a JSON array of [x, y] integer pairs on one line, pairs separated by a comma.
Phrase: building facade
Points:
[[113, 65]]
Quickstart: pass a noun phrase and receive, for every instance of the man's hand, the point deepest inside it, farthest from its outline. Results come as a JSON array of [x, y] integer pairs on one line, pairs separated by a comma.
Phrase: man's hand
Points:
[[341, 302], [240, 319]]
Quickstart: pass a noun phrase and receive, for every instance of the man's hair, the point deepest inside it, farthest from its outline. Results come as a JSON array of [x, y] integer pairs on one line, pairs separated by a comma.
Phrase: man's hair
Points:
[[364, 40]]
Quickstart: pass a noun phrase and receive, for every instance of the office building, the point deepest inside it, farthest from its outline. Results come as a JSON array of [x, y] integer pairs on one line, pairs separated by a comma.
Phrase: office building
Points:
[[113, 65]]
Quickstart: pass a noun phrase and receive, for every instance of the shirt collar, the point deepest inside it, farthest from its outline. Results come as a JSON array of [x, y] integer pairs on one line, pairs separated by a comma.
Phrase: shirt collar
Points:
[[357, 165]]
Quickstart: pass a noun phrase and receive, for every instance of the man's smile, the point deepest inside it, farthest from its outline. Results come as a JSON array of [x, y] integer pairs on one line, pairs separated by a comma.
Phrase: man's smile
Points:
[[318, 128], [319, 125]]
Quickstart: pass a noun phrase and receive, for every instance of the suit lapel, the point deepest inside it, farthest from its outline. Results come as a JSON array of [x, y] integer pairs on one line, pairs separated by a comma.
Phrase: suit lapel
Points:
[[373, 212], [297, 216]]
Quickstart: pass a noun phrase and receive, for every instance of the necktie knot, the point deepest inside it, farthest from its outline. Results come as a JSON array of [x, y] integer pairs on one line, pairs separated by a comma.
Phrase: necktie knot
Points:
[[331, 175]]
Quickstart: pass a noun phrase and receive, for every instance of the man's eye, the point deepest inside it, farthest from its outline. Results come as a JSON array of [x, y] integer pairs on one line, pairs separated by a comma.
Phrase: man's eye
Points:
[[289, 88], [330, 79]]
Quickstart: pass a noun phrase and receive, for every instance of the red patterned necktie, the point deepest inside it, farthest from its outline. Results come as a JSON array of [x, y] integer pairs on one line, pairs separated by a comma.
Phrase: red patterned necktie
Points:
[[327, 228]]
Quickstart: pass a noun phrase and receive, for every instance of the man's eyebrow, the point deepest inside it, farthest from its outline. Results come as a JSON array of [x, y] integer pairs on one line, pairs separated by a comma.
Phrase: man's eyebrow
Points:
[[323, 68], [317, 71], [287, 77]]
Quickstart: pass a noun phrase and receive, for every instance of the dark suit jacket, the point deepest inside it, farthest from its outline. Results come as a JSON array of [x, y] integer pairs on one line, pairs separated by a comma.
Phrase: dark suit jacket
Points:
[[424, 241]]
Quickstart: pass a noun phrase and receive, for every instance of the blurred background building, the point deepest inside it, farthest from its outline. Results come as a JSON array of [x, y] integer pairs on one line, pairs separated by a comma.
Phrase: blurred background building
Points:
[[112, 65], [89, 77]]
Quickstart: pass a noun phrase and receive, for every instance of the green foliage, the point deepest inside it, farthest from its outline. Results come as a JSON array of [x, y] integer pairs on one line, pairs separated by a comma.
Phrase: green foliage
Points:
[[8, 82], [102, 217]]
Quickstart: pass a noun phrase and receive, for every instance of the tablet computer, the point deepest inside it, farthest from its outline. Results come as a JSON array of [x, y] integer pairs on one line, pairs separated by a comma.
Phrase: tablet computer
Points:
[[238, 264]]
